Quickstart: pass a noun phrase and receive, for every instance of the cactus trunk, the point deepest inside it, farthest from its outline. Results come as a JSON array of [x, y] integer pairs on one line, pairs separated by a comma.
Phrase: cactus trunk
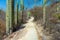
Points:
[[22, 8], [44, 13], [35, 2], [28, 14], [16, 15], [9, 16]]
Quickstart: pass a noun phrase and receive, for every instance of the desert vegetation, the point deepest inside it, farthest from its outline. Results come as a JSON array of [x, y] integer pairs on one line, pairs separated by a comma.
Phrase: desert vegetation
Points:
[[52, 29]]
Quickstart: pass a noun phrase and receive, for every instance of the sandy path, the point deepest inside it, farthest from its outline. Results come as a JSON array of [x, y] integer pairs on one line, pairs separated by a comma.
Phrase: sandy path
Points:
[[28, 33]]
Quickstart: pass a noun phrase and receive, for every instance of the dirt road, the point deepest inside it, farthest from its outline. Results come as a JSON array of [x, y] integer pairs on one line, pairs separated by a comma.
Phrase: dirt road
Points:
[[28, 33]]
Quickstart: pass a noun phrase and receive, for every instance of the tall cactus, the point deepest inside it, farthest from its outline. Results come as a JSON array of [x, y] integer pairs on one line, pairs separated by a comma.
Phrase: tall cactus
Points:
[[9, 18], [44, 13], [58, 7], [22, 8], [28, 12], [35, 2], [16, 14], [12, 17]]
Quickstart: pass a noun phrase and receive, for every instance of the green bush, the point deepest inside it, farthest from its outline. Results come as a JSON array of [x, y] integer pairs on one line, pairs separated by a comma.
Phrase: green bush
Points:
[[56, 15], [59, 17]]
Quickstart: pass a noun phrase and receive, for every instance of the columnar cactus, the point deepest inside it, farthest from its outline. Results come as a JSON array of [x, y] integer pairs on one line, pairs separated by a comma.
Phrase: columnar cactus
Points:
[[22, 8], [44, 13], [28, 14], [21, 5], [9, 18], [35, 2], [16, 15], [58, 7]]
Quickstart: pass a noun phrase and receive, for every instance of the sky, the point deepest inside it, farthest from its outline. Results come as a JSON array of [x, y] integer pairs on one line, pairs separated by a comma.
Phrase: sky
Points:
[[30, 5], [3, 4]]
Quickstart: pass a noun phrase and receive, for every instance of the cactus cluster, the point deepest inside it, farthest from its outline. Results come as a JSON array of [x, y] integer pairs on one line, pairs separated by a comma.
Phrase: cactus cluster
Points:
[[10, 15]]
